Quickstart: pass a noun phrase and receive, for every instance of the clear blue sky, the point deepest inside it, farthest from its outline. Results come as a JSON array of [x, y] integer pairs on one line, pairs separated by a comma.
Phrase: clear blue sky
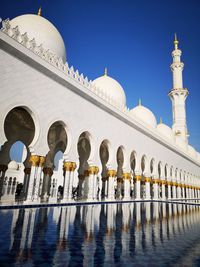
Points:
[[134, 40]]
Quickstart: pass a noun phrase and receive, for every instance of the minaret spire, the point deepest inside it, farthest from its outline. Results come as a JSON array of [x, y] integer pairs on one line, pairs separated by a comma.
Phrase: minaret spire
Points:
[[175, 41], [105, 72], [40, 12], [178, 95]]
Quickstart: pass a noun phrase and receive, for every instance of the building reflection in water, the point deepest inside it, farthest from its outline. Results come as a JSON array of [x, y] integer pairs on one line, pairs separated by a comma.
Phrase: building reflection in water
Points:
[[103, 235]]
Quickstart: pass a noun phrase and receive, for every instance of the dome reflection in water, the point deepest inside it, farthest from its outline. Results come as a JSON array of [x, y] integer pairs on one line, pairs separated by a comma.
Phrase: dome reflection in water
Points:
[[132, 234]]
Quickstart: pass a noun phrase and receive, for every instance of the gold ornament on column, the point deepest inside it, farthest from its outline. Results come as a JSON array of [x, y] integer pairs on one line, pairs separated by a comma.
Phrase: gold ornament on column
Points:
[[34, 160], [112, 173], [147, 179], [69, 166], [138, 177], [126, 176], [93, 170], [41, 161]]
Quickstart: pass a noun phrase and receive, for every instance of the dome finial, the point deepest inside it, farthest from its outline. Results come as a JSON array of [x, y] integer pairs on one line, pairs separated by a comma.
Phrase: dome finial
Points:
[[40, 11], [105, 72], [161, 121], [175, 41], [139, 102]]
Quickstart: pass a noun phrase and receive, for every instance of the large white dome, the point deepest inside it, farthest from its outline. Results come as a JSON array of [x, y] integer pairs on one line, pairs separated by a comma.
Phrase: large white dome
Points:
[[166, 131], [112, 89], [144, 114], [43, 31]]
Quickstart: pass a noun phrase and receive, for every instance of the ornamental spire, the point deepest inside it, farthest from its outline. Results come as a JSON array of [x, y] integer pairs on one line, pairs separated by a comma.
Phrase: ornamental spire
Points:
[[139, 102], [106, 72], [175, 41], [40, 11], [161, 121]]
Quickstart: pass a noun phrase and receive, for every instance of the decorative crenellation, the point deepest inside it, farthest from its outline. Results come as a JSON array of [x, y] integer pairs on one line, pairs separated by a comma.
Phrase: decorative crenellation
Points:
[[69, 166], [56, 61]]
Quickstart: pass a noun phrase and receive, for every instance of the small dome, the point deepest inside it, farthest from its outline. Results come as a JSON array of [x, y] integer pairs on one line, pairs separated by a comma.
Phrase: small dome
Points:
[[112, 89], [145, 115], [192, 152], [13, 165], [43, 31], [165, 130]]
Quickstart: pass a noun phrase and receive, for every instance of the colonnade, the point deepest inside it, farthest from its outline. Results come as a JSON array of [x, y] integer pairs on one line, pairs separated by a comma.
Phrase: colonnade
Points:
[[39, 185]]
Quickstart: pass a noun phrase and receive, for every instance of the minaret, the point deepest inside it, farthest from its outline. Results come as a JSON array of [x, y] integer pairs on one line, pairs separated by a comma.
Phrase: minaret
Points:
[[178, 95]]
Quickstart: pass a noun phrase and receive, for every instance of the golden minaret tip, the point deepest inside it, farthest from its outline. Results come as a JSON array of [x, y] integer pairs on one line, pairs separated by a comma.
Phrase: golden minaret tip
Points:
[[175, 41], [40, 11], [106, 72], [161, 121], [140, 102]]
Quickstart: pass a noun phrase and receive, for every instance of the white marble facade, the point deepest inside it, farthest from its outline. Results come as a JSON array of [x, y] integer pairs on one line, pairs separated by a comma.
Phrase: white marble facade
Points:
[[109, 151]]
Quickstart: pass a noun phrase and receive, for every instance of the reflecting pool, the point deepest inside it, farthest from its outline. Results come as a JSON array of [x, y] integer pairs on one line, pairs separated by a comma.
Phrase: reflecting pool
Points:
[[132, 234]]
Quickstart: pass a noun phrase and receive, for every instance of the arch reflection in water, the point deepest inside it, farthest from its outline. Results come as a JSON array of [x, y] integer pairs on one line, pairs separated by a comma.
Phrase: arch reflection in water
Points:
[[104, 235]]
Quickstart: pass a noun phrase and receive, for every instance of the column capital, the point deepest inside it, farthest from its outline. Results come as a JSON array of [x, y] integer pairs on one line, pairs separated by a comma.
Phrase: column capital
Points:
[[34, 160], [138, 177], [92, 170], [112, 173], [126, 176], [41, 161], [147, 179], [69, 166], [156, 181]]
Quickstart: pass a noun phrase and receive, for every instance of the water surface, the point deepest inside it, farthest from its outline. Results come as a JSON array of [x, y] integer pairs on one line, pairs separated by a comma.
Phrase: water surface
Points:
[[132, 234]]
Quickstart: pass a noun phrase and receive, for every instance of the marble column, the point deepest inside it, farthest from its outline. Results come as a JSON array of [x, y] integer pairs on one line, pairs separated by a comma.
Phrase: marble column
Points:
[[91, 175], [111, 184], [27, 172], [48, 172], [69, 168], [163, 183], [179, 191], [3, 169], [138, 179], [34, 160], [127, 178], [169, 189], [36, 188], [174, 190], [155, 189], [147, 188]]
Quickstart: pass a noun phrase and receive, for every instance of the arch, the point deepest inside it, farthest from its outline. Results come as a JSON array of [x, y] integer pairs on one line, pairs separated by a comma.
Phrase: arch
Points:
[[18, 126], [143, 163], [166, 172], [32, 112], [152, 166], [57, 140], [160, 169], [133, 161], [120, 161]]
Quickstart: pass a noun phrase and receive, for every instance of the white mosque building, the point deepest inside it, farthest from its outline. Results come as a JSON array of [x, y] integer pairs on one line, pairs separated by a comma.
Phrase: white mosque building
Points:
[[109, 151]]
